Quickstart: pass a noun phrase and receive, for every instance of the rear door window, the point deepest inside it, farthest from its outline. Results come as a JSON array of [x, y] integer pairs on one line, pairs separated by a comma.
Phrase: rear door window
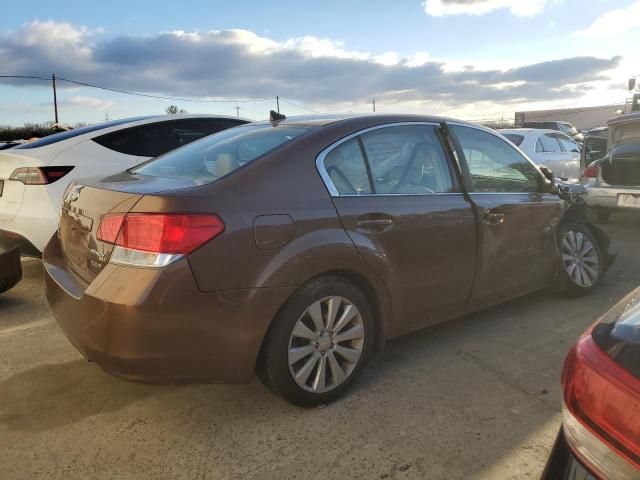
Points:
[[548, 144], [495, 165], [567, 144], [407, 159]]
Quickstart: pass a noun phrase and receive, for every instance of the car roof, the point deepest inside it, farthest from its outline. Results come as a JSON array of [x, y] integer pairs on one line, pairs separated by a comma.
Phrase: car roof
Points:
[[529, 131], [328, 119], [627, 117]]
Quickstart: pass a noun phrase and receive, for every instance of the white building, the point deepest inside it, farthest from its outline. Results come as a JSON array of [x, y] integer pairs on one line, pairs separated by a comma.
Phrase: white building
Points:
[[581, 118]]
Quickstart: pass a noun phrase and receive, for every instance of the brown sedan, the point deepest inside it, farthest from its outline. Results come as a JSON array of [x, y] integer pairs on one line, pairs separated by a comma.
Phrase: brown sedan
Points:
[[294, 248]]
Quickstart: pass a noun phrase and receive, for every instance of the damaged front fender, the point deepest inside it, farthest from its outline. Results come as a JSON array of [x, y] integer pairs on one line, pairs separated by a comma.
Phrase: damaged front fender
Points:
[[577, 212]]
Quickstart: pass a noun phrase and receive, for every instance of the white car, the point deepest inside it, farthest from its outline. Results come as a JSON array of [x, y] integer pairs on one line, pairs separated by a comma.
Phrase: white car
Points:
[[553, 149], [34, 176]]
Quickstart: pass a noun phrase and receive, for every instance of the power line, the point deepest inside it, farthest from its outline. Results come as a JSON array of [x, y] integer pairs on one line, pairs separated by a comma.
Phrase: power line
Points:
[[26, 76], [126, 92], [179, 99], [299, 106]]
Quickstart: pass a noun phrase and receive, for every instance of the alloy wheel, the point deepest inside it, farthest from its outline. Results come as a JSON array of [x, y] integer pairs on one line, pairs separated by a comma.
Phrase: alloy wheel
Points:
[[580, 258], [326, 344]]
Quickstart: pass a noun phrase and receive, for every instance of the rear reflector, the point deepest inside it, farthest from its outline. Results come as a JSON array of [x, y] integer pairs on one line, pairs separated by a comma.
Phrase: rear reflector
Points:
[[596, 454], [158, 232], [602, 412], [590, 172], [126, 256], [39, 175]]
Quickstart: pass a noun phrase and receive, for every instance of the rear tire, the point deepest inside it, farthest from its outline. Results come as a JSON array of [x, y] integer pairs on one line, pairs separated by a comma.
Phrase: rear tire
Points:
[[318, 343], [581, 260], [10, 269]]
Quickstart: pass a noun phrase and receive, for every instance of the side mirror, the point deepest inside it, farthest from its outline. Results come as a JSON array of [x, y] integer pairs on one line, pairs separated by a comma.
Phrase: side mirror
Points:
[[549, 185], [548, 174]]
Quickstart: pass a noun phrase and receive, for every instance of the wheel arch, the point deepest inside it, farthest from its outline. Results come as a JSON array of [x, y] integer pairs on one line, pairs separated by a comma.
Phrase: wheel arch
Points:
[[378, 300]]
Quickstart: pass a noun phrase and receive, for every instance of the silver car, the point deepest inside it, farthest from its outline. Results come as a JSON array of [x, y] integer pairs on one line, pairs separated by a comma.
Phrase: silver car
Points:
[[613, 180], [555, 150]]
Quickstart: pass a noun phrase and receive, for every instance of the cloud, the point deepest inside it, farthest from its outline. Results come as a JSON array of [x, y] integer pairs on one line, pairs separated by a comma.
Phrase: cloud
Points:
[[614, 22], [520, 8], [87, 102], [323, 73]]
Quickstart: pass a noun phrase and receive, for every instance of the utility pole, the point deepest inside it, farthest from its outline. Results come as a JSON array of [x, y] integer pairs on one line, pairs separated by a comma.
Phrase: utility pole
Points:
[[237, 111], [374, 105], [55, 96], [278, 103]]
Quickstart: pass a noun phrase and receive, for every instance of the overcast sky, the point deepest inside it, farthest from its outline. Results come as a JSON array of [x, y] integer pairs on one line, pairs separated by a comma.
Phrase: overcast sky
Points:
[[474, 59]]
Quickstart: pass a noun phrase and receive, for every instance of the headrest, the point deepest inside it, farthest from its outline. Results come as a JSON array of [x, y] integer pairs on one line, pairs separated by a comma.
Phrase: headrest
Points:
[[225, 163]]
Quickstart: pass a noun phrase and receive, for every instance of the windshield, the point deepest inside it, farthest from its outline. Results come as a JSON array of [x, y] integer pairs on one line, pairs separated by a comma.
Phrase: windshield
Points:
[[215, 156], [514, 138], [568, 129]]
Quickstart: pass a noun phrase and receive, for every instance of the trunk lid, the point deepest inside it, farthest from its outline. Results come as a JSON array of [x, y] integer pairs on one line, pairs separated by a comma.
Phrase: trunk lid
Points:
[[11, 191], [82, 210], [622, 167]]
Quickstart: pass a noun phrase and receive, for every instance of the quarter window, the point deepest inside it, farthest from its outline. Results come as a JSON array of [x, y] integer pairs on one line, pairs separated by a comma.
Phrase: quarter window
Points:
[[407, 159], [567, 144], [494, 164], [346, 167], [548, 144]]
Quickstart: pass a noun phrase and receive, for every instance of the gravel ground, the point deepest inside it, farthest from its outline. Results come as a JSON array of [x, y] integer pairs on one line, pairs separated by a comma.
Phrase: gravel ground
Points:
[[475, 398]]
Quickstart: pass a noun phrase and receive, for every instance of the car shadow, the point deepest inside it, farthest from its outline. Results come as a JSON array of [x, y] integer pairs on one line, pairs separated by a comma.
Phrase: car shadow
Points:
[[55, 395]]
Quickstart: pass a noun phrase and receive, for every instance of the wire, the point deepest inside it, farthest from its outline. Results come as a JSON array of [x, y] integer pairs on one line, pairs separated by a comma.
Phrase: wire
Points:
[[299, 106], [27, 76], [160, 96]]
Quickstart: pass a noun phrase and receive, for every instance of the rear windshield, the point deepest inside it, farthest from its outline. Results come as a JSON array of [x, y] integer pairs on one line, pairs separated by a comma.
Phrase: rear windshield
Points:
[[626, 151], [217, 155], [514, 138], [58, 137]]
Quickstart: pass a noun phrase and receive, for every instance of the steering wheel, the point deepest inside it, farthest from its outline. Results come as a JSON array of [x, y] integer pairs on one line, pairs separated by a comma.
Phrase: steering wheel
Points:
[[343, 177], [407, 169]]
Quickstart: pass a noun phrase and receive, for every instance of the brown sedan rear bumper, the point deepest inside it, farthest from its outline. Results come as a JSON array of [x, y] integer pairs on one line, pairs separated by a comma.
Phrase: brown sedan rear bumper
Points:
[[154, 325]]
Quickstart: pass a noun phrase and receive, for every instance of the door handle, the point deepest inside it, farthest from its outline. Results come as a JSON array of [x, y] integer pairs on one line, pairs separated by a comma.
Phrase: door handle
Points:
[[375, 223], [492, 218]]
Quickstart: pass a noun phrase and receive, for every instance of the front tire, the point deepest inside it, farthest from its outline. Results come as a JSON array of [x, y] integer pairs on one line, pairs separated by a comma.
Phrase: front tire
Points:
[[581, 260], [318, 343]]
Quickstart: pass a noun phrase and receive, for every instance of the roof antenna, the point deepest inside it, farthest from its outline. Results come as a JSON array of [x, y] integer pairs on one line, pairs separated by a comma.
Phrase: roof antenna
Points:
[[276, 117]]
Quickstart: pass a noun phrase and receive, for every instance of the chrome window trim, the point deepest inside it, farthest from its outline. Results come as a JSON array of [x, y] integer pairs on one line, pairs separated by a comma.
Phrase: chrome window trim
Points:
[[511, 145], [401, 194], [333, 191]]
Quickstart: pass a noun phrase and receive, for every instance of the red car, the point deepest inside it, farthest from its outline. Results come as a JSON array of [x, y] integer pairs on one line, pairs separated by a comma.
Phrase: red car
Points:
[[600, 436]]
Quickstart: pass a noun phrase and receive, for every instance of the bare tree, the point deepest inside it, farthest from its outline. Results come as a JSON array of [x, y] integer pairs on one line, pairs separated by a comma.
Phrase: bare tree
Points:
[[173, 110]]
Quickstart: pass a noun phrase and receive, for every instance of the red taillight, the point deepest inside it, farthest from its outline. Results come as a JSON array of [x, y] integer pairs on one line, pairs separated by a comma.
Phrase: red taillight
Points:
[[590, 172], [158, 232], [110, 227], [39, 175], [602, 420]]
